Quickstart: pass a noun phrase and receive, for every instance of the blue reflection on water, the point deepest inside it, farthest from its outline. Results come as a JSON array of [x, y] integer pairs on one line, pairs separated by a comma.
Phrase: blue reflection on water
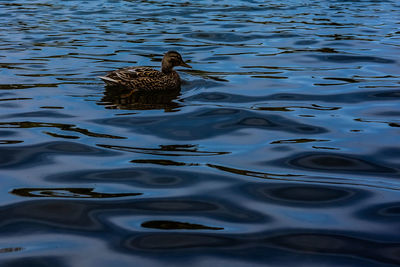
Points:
[[280, 149]]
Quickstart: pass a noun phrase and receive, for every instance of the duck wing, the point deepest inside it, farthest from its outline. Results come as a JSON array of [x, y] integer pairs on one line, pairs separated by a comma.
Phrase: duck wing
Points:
[[126, 77]]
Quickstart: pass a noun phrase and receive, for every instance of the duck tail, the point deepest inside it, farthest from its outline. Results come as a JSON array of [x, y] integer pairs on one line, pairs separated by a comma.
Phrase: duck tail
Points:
[[109, 81]]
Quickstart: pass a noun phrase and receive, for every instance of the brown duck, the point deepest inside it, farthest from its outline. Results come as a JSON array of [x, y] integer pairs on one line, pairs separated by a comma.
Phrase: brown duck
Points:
[[145, 79]]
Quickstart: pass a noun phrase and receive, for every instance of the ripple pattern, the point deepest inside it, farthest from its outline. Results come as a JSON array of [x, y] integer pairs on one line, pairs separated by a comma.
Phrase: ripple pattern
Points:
[[281, 149]]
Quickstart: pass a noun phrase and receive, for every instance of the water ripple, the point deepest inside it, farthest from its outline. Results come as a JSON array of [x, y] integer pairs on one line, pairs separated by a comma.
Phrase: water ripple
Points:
[[280, 149], [29, 156], [222, 121]]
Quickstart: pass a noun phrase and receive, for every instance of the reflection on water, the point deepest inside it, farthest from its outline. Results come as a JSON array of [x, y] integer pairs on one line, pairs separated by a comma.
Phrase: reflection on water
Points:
[[115, 99], [169, 225], [66, 192], [280, 149]]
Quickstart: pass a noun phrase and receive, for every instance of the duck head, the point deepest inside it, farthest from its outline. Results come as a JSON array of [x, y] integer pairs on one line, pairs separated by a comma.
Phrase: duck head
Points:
[[172, 59]]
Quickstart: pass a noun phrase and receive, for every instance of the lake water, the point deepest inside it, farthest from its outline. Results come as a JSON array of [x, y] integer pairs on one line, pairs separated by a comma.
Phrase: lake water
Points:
[[282, 148]]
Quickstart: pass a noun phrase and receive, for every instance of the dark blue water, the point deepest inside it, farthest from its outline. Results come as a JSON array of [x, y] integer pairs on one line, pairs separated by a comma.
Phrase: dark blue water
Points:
[[282, 148]]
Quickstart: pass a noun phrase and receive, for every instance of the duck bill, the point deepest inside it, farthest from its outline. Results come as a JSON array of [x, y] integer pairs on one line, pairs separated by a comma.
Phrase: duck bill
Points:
[[183, 64]]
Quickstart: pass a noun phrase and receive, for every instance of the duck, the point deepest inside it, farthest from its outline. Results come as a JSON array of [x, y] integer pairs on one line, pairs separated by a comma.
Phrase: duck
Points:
[[146, 79]]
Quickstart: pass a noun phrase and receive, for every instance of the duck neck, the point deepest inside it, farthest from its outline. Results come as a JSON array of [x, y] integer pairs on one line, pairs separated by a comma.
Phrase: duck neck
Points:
[[166, 67]]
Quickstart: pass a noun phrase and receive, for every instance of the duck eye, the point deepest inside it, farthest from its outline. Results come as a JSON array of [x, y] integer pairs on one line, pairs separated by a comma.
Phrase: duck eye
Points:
[[176, 59]]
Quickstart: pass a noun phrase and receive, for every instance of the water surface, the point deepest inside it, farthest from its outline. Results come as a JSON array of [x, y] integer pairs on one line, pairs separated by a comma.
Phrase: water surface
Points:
[[282, 148]]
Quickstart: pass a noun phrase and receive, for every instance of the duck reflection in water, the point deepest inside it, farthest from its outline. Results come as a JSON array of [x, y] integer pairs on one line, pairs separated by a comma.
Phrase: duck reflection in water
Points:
[[118, 98]]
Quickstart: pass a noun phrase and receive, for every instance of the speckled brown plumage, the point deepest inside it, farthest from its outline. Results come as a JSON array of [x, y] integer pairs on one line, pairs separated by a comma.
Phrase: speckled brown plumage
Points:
[[146, 79]]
